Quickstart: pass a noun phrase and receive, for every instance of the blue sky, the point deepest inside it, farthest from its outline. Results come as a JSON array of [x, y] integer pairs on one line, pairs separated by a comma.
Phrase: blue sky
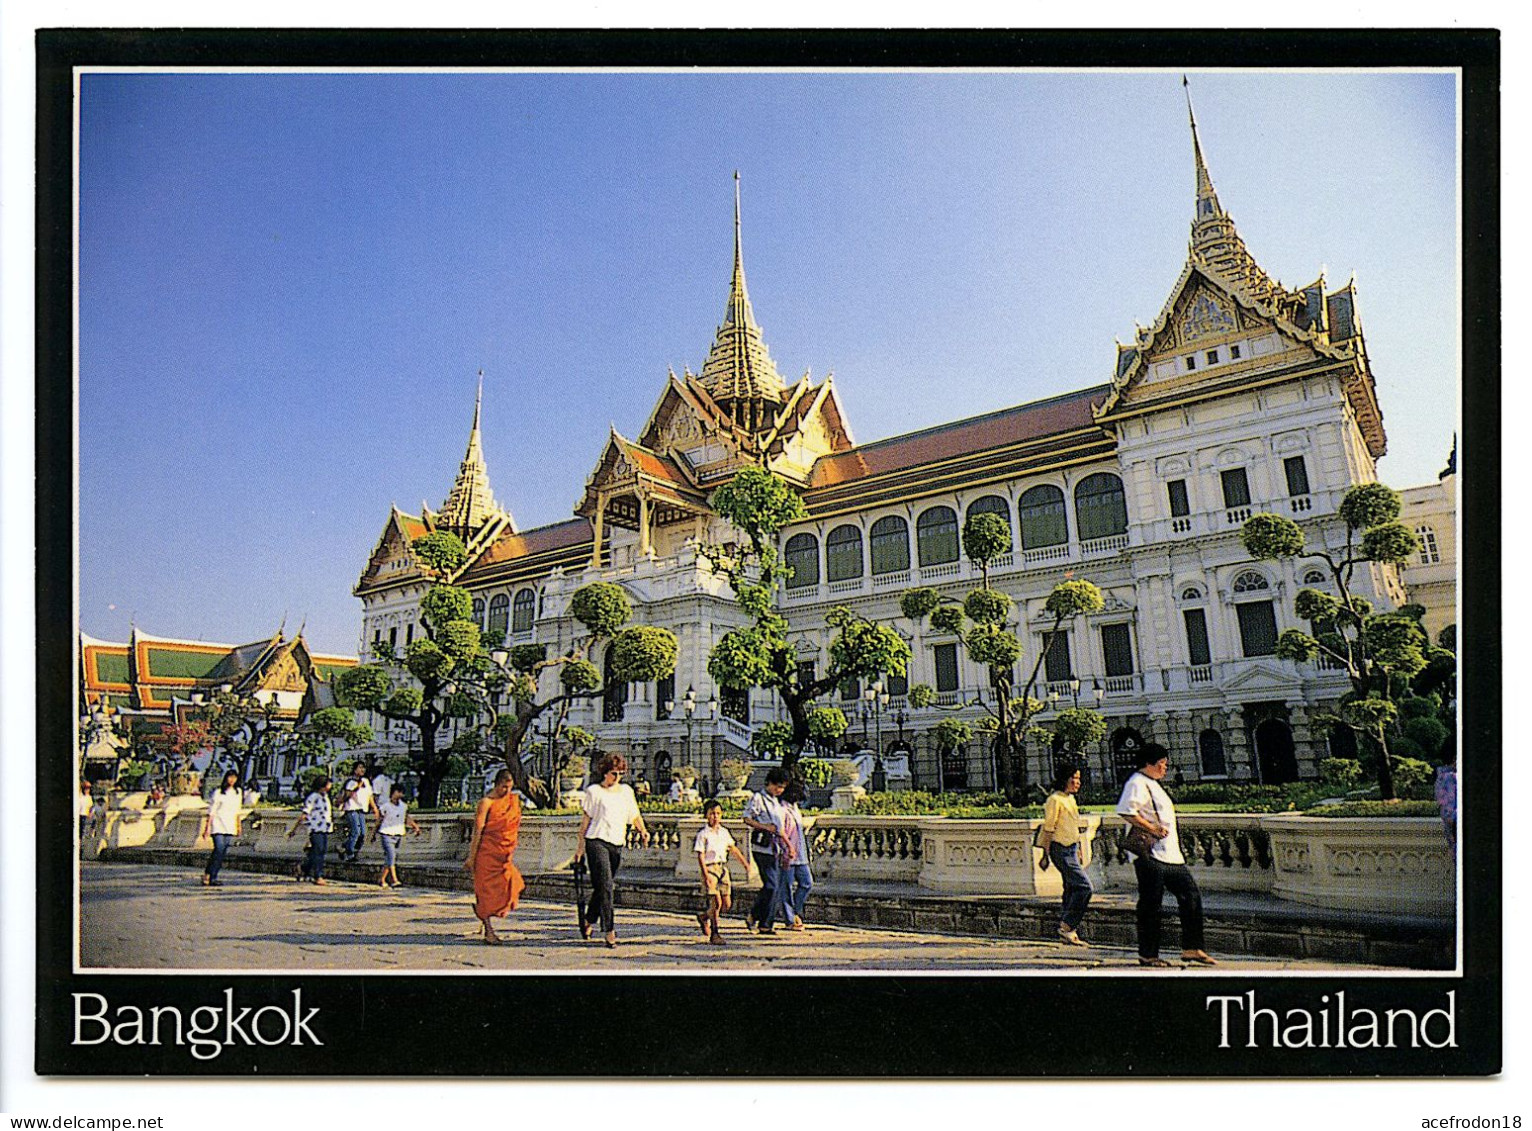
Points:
[[289, 282]]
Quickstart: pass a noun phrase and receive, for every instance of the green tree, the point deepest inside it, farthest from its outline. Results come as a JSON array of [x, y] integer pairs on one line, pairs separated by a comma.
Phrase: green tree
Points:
[[1380, 652], [760, 504], [991, 642]]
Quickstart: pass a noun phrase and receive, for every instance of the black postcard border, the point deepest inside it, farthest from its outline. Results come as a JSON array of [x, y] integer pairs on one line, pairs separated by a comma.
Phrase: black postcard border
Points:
[[880, 1027]]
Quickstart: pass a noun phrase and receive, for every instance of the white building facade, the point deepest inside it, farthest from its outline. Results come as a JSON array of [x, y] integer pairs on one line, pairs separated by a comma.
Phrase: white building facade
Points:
[[1242, 397]]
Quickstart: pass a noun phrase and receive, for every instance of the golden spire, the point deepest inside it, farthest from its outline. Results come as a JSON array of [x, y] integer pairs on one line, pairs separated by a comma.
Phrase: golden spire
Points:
[[738, 367], [471, 502], [1215, 243]]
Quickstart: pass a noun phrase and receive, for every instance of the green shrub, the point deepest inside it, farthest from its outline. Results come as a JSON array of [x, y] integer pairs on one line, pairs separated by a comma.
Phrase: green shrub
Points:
[[1377, 809], [921, 803], [815, 772], [1412, 778], [1341, 772]]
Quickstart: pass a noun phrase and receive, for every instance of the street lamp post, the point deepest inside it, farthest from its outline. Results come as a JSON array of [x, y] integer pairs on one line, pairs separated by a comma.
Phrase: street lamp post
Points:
[[875, 698]]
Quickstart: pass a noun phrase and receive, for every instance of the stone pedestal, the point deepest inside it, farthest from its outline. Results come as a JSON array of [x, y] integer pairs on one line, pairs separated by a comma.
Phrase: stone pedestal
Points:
[[846, 796]]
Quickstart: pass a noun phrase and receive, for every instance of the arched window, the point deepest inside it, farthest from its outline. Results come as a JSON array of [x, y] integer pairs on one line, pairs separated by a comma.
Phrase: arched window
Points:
[[1042, 518], [1101, 511], [499, 612], [889, 541], [522, 610], [843, 553], [1210, 747], [991, 504], [478, 612], [802, 556], [936, 534], [1250, 582], [1191, 593], [1315, 577]]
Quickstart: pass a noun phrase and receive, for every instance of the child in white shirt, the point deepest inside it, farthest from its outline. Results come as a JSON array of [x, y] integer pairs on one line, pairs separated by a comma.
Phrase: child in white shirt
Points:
[[714, 843]]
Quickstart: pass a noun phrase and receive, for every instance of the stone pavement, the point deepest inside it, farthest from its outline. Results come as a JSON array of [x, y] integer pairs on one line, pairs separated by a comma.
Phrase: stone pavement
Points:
[[136, 916]]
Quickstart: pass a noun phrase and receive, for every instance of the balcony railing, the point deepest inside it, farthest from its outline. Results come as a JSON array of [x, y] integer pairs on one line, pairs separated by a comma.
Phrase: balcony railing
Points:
[[1301, 503], [1120, 684], [948, 569], [850, 585], [890, 580], [1098, 547], [1237, 516], [1043, 554], [1202, 673]]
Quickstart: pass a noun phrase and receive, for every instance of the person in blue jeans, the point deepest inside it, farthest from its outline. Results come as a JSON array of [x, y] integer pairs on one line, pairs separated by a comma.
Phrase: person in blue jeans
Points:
[[222, 824], [320, 821], [1062, 844], [794, 878]]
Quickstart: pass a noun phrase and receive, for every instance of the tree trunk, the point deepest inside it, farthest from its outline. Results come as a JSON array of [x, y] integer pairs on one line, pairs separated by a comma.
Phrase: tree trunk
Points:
[[432, 769], [798, 713], [1385, 768], [543, 794]]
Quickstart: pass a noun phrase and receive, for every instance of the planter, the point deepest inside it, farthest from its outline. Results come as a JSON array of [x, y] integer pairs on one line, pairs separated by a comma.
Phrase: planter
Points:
[[185, 783]]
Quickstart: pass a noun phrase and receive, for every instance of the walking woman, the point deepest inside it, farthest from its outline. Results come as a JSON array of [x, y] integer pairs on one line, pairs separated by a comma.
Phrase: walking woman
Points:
[[794, 877], [1062, 844], [497, 885], [610, 808], [222, 823], [319, 818]]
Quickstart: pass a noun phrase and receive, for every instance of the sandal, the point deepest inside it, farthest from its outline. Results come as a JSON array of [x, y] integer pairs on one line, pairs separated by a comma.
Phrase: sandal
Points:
[[1198, 958], [584, 930], [1157, 963], [611, 942]]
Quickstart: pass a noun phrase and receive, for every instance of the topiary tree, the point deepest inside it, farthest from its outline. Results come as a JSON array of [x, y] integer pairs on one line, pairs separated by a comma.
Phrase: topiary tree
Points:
[[454, 676], [760, 504], [1380, 652], [991, 643]]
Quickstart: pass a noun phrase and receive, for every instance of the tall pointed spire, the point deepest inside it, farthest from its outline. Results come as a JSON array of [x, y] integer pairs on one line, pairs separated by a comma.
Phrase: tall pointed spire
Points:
[[738, 367], [1215, 243], [471, 501]]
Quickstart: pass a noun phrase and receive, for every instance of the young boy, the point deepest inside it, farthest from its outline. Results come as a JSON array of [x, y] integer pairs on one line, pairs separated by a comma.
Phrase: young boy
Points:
[[714, 843], [396, 815]]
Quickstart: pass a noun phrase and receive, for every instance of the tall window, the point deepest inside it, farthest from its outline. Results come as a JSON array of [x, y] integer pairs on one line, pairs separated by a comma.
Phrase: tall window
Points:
[[522, 610], [1180, 506], [1101, 511], [409, 634], [1210, 747], [1297, 475], [843, 553], [946, 667], [1257, 627], [936, 532], [889, 541], [1056, 665], [393, 637], [991, 504], [850, 689], [896, 684], [664, 692], [478, 612], [1429, 555], [499, 612], [802, 554], [1236, 488], [1117, 649], [734, 703], [1042, 517], [806, 669], [1197, 651]]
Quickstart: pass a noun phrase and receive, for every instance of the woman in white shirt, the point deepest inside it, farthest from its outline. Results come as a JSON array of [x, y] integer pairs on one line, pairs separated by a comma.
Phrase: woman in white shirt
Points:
[[610, 808], [222, 824], [1145, 805]]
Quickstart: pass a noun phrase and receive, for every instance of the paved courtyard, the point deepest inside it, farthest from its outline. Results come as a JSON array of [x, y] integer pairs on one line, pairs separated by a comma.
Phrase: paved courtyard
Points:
[[137, 916]]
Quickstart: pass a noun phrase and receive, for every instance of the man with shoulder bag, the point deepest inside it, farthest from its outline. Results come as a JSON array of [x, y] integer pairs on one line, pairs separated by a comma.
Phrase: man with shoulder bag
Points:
[[763, 816], [1150, 836]]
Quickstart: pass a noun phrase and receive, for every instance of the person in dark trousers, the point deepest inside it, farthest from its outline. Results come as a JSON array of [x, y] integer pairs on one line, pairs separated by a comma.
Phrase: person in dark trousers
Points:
[[610, 807], [1145, 805], [763, 816]]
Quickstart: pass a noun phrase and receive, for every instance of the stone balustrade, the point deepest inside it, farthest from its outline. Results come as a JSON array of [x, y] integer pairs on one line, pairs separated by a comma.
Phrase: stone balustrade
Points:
[[1397, 865]]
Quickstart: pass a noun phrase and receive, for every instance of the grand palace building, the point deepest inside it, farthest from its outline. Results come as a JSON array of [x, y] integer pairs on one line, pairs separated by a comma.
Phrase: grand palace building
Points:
[[1241, 397]]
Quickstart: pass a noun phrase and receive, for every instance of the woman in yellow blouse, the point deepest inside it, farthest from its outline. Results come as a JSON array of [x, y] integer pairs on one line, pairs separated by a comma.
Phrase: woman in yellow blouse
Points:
[[1062, 844]]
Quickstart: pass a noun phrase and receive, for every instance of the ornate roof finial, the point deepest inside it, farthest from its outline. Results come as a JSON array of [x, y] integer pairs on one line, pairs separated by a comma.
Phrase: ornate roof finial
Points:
[[738, 366], [1204, 181], [471, 502]]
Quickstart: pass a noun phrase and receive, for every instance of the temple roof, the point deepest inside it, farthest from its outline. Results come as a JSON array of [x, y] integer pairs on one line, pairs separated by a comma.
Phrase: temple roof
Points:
[[471, 503], [738, 367]]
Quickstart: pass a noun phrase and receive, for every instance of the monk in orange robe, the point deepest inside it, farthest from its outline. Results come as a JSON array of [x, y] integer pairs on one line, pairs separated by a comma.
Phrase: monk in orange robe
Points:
[[496, 883]]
